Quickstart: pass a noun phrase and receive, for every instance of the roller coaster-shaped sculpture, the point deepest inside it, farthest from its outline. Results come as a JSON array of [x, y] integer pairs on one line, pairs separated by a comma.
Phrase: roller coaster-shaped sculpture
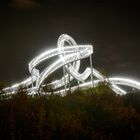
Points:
[[69, 59]]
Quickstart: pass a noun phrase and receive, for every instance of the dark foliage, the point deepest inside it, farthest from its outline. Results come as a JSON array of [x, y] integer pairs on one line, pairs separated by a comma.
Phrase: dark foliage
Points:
[[93, 114]]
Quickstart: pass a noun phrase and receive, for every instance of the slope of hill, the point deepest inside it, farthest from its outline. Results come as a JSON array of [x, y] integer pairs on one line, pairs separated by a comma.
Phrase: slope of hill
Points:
[[97, 114]]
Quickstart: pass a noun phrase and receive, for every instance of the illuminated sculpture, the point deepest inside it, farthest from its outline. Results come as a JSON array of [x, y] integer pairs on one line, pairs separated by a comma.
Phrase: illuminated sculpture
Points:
[[69, 58]]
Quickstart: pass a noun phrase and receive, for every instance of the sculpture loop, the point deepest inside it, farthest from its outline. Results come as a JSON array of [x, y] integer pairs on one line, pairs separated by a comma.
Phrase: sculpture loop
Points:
[[69, 57]]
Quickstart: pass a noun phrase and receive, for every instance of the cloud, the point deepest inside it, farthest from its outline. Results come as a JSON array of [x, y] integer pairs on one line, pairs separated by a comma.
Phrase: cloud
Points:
[[25, 4], [113, 57], [117, 58]]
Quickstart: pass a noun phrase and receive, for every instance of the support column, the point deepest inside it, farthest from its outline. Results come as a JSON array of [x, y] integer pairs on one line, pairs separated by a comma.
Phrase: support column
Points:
[[69, 79], [92, 79], [32, 80], [78, 84], [64, 72]]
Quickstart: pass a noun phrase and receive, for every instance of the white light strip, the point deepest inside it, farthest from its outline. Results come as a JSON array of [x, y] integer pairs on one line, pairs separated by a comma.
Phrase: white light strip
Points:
[[69, 58]]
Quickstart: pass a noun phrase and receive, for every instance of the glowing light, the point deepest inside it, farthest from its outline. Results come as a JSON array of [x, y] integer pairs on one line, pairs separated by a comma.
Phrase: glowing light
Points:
[[69, 57]]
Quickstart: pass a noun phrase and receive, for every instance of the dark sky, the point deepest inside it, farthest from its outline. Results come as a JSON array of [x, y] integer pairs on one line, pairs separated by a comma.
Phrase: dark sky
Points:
[[28, 27]]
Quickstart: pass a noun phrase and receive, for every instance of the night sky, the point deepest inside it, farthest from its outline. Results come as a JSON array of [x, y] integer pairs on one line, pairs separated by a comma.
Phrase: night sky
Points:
[[28, 27]]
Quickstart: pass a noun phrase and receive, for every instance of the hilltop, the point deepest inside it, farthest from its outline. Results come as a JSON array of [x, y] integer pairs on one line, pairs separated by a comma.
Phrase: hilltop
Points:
[[97, 114]]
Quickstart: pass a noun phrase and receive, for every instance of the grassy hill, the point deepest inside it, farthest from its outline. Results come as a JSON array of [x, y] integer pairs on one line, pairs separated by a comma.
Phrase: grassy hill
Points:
[[93, 114]]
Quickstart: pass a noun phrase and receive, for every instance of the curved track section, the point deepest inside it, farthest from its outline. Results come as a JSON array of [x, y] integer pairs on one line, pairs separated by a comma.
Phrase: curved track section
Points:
[[69, 56]]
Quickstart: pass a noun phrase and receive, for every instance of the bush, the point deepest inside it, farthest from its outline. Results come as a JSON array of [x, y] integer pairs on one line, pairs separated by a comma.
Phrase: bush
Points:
[[97, 114]]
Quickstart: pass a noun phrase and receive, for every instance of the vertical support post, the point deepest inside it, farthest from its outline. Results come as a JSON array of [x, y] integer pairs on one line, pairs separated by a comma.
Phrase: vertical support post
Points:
[[27, 87], [78, 84], [69, 79], [32, 80], [91, 70], [32, 83], [64, 72]]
